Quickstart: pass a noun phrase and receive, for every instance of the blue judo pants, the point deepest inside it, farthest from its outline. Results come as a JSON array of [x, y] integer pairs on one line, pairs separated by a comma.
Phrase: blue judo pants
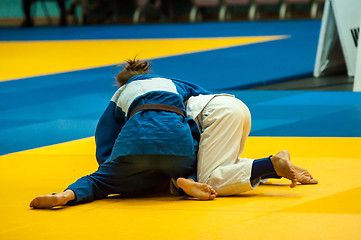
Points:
[[130, 174]]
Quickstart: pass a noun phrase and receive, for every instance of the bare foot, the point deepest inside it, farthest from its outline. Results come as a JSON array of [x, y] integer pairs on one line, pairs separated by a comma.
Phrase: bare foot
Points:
[[283, 167], [49, 201], [303, 176], [199, 190]]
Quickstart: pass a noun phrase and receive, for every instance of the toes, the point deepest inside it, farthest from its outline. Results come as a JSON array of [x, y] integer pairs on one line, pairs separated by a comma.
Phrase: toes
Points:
[[213, 192], [294, 183], [212, 196], [312, 181], [307, 180], [294, 179], [34, 203]]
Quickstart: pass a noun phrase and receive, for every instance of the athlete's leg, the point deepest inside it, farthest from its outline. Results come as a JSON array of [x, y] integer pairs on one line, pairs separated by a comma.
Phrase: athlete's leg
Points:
[[279, 166], [225, 125], [125, 174]]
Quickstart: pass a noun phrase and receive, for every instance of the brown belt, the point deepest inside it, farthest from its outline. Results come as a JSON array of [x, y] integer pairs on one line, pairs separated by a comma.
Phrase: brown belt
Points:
[[157, 107]]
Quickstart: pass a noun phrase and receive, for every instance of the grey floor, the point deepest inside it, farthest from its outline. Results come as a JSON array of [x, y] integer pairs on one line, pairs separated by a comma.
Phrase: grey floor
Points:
[[340, 82]]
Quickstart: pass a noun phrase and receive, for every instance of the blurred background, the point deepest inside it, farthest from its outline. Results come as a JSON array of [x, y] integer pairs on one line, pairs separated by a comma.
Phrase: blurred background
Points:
[[84, 12]]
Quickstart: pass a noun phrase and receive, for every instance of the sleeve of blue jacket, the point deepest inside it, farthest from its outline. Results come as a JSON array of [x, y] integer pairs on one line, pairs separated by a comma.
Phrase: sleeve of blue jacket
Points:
[[189, 89], [107, 131]]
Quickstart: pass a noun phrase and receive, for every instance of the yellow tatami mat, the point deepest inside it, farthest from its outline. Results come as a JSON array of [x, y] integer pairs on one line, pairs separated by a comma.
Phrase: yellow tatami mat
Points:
[[48, 57], [329, 210]]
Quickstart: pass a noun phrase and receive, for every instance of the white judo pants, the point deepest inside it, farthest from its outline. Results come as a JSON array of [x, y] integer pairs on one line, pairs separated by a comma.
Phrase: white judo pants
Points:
[[225, 124]]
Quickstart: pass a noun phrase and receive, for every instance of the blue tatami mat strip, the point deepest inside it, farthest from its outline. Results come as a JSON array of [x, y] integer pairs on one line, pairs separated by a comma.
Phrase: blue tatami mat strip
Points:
[[274, 113], [303, 113], [244, 66], [181, 30]]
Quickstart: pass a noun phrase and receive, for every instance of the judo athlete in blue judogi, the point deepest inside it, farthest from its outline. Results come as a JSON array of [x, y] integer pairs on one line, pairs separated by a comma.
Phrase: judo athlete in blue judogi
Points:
[[142, 139]]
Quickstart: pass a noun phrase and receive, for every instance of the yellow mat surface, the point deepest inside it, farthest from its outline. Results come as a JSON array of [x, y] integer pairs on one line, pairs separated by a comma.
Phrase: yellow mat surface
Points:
[[34, 58], [329, 210]]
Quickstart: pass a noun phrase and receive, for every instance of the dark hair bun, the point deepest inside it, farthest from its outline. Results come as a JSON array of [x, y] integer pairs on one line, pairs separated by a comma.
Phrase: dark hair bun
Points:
[[136, 65], [132, 68]]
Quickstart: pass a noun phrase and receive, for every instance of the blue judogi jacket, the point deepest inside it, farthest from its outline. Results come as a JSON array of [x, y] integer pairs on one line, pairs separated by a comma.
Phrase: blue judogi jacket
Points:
[[148, 132]]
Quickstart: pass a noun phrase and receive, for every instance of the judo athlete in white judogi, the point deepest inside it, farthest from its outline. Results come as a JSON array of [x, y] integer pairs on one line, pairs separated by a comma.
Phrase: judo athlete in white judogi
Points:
[[225, 123]]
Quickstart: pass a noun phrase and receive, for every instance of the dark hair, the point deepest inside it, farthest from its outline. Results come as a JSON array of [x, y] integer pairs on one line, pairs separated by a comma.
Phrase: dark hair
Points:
[[132, 68]]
